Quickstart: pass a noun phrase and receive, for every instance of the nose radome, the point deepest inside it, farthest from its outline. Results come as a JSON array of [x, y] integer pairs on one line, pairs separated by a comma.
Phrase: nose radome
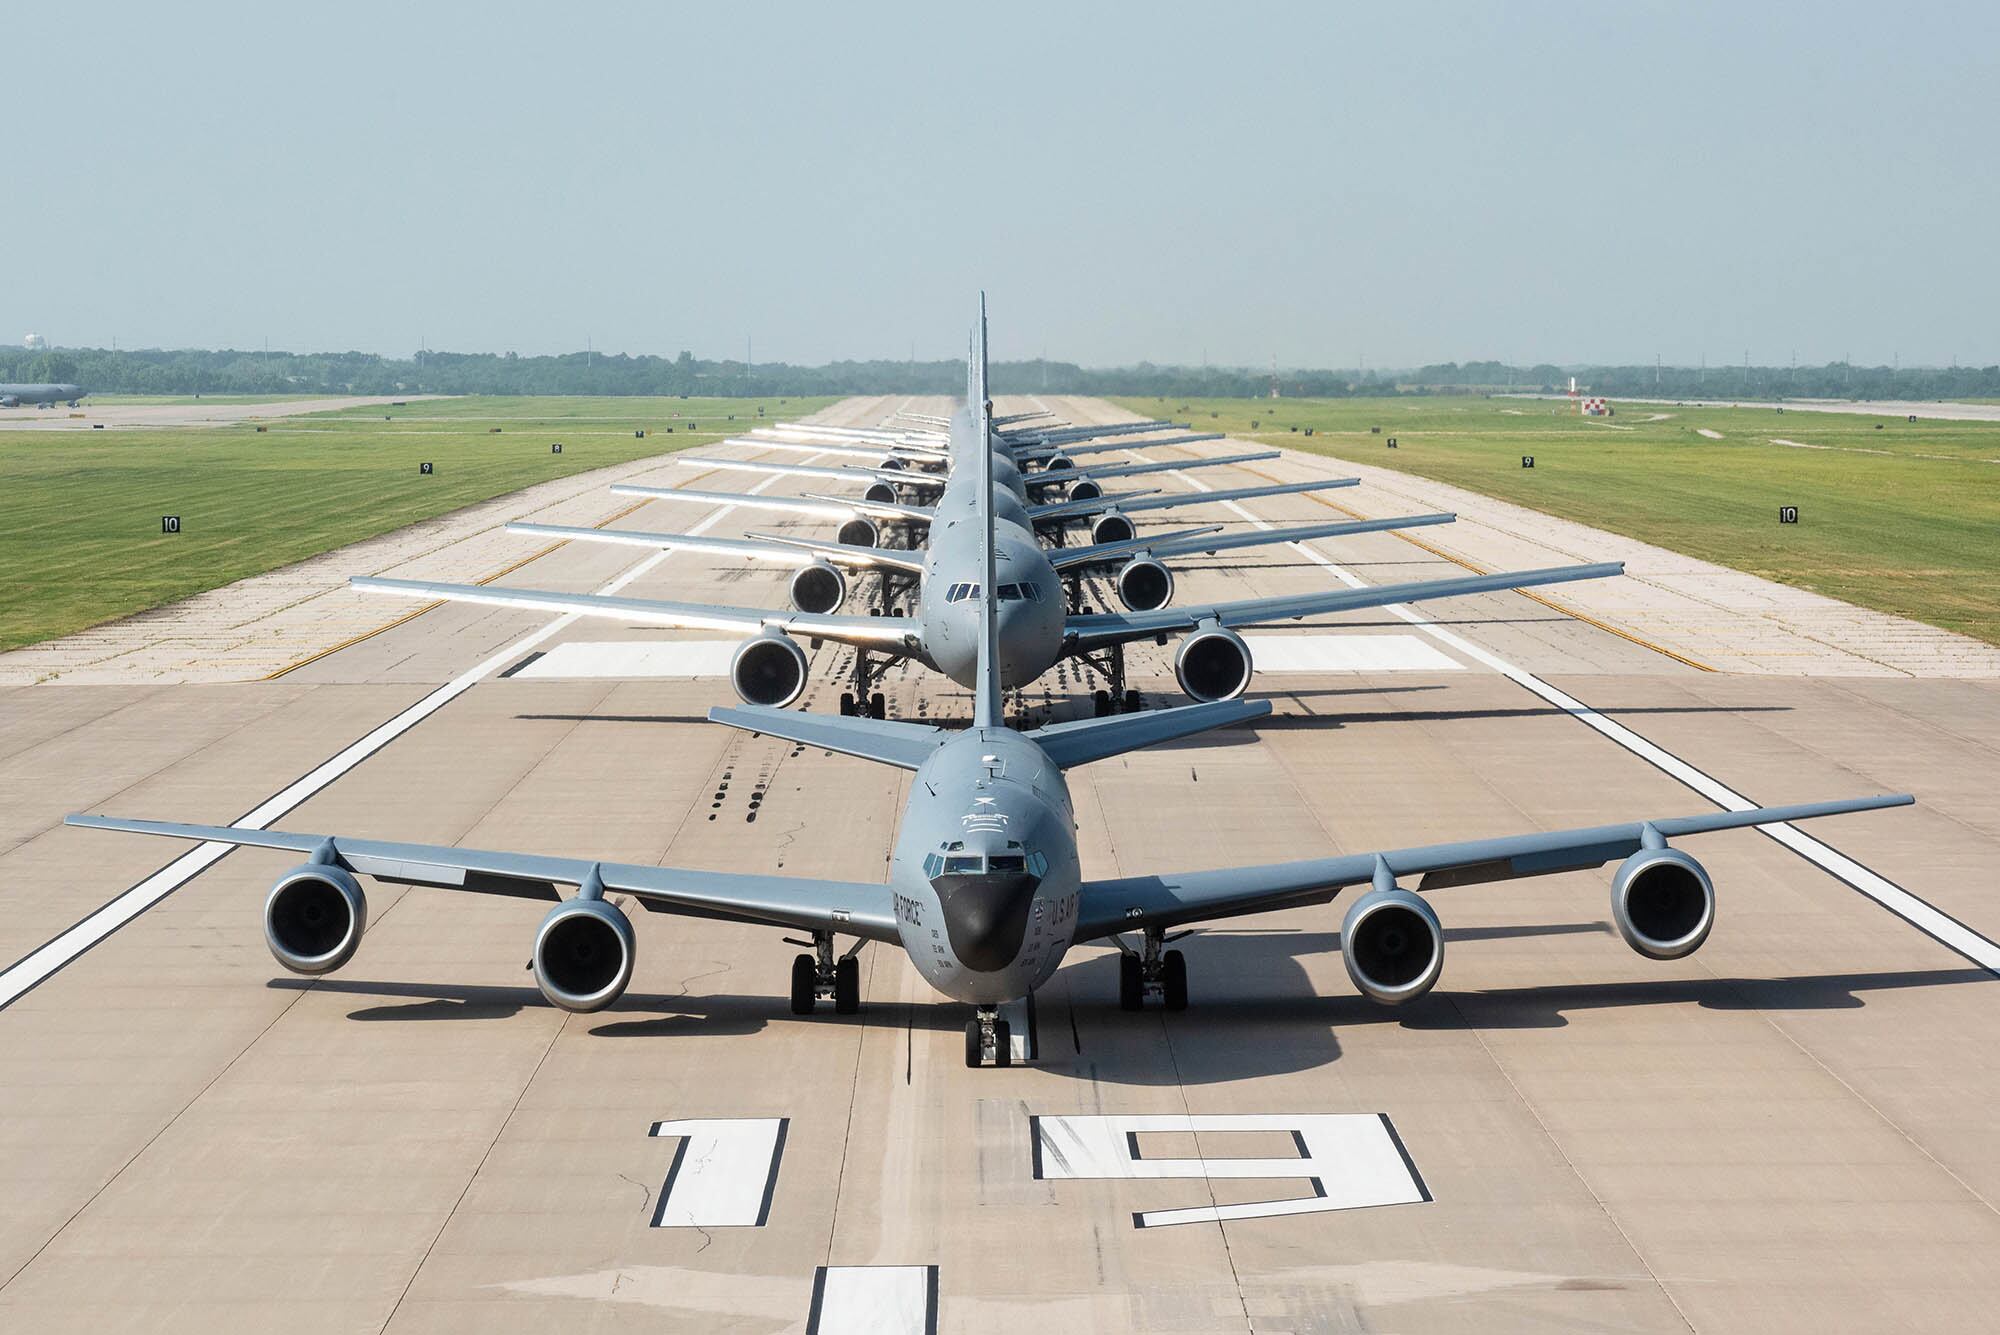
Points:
[[986, 916]]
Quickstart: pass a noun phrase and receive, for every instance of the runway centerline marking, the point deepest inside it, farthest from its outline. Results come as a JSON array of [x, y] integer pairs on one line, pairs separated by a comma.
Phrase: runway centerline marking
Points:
[[1919, 913], [46, 960]]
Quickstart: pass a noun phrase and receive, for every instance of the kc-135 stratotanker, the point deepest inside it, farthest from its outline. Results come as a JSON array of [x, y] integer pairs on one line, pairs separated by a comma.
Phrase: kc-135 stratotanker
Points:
[[986, 892]]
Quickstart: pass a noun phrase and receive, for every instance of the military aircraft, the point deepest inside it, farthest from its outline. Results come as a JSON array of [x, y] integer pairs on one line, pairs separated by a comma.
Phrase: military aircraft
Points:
[[986, 893], [1036, 630], [13, 396]]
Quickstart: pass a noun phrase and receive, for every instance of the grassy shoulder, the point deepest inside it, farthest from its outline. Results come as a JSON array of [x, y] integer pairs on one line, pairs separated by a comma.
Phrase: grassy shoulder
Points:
[[1899, 516], [80, 512]]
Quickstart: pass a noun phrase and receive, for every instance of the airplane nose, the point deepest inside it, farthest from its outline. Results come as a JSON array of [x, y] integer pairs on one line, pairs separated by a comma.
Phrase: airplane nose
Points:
[[986, 916]]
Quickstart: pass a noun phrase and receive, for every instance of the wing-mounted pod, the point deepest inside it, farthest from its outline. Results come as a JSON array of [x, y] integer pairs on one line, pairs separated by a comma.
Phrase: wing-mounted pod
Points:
[[1662, 901], [1213, 663], [584, 951], [1084, 489], [819, 588], [769, 669], [1391, 942], [314, 916], [860, 531], [1111, 526], [1144, 584]]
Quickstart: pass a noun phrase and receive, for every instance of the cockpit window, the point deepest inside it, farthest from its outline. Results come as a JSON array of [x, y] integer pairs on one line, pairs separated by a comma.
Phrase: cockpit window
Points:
[[1007, 862], [965, 864], [959, 593]]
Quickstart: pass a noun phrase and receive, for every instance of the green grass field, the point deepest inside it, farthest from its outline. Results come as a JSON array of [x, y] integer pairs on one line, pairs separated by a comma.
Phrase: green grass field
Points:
[[80, 511], [1894, 515]]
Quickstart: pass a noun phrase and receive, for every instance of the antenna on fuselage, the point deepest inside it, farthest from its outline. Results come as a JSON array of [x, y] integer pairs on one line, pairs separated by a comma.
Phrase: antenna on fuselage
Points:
[[986, 704]]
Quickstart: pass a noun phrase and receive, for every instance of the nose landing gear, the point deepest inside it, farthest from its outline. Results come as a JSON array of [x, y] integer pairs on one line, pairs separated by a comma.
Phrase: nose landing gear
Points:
[[987, 1036]]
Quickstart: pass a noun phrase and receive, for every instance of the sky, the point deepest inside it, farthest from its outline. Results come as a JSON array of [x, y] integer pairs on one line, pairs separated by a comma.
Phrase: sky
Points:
[[1326, 185]]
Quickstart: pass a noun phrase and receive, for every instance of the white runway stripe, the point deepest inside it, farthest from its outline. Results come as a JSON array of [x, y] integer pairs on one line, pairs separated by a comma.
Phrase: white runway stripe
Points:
[[873, 1300], [1924, 916], [33, 968]]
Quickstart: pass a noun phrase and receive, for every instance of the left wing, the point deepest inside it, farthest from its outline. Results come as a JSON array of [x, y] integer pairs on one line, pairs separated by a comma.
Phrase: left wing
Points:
[[757, 546], [893, 635], [1107, 628], [1136, 902], [1187, 543], [856, 908]]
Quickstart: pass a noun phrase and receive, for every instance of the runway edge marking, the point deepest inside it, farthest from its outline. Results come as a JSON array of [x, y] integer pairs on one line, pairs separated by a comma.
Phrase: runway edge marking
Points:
[[50, 958], [1926, 917]]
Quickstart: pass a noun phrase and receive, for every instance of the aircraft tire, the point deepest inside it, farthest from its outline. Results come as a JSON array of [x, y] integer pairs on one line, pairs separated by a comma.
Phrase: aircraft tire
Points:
[[1131, 702], [847, 704], [1100, 702], [1131, 984], [805, 984], [846, 986], [1173, 980], [878, 707], [974, 1054], [1003, 1043]]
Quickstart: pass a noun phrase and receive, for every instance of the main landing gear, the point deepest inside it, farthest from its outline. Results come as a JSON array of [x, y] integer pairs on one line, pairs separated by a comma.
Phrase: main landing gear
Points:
[[820, 976], [1151, 970], [1111, 666], [858, 701], [988, 1036]]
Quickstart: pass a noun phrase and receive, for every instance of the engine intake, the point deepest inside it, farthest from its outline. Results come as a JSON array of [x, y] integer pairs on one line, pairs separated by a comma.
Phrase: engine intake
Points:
[[1392, 945], [880, 492], [859, 531], [1085, 489], [1056, 461], [1213, 664], [583, 955], [819, 587], [1663, 903], [1144, 585], [768, 670], [314, 917], [1111, 526]]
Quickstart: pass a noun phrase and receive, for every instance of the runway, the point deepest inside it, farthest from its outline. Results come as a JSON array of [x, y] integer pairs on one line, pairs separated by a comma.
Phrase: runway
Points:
[[1791, 1129], [113, 414]]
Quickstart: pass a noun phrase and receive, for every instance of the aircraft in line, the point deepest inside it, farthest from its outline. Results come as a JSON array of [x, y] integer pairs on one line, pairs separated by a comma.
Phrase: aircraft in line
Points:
[[14, 396], [986, 893]]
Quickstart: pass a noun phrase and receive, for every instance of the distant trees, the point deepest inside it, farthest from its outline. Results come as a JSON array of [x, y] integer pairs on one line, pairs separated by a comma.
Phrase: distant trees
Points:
[[190, 371]]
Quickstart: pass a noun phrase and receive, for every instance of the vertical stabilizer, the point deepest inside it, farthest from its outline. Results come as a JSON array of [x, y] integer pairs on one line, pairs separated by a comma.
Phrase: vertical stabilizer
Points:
[[986, 704]]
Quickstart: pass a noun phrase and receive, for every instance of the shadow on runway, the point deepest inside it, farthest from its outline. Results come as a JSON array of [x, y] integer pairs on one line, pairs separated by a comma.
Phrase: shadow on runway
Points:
[[614, 718], [1284, 722], [668, 1016]]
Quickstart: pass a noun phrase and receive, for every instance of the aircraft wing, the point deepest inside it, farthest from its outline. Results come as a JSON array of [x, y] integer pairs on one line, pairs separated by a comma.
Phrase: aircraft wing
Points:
[[1187, 543], [825, 507], [804, 903], [844, 473], [1136, 902], [755, 546], [1097, 473], [892, 635], [1108, 628], [873, 454], [1155, 500], [1032, 452]]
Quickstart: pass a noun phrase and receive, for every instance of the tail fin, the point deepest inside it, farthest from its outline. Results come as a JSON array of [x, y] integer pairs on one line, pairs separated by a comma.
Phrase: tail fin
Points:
[[986, 704]]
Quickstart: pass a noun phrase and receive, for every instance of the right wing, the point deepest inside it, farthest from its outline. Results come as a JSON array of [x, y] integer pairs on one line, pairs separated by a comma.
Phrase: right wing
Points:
[[891, 635], [1032, 452], [1146, 500], [757, 546], [1161, 902], [798, 902], [1107, 628], [1183, 544]]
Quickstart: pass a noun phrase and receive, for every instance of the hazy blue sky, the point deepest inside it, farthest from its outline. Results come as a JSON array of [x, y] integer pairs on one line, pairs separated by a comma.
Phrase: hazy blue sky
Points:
[[1319, 183]]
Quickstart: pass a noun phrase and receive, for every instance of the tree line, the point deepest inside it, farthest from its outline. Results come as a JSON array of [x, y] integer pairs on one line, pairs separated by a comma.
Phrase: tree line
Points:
[[197, 371]]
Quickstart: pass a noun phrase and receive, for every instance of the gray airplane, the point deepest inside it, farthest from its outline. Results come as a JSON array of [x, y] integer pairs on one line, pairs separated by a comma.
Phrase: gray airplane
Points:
[[1036, 631], [14, 396], [986, 892]]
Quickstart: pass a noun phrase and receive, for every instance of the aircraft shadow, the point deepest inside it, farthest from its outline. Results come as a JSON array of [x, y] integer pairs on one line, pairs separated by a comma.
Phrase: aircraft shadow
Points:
[[1285, 722]]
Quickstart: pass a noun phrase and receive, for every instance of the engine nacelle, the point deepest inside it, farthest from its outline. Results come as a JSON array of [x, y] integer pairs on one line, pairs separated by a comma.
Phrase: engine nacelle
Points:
[[583, 954], [892, 464], [314, 917], [1111, 526], [1085, 489], [1663, 903], [1144, 585], [819, 588], [880, 492], [1056, 461], [1213, 664], [859, 531], [768, 670], [1392, 945]]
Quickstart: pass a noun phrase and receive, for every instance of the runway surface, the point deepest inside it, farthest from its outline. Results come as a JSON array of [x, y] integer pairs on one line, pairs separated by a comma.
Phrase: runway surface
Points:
[[113, 414], [1790, 1130]]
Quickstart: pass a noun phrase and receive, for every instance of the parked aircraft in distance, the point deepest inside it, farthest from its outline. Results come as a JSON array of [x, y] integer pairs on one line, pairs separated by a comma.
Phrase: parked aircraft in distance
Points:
[[15, 396]]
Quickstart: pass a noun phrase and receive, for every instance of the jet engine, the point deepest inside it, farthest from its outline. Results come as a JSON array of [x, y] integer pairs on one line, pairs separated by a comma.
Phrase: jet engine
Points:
[[1213, 663], [1085, 489], [1144, 585], [892, 464], [880, 492], [313, 918], [1056, 461], [768, 670], [819, 587], [1392, 945], [583, 954], [1111, 526], [1663, 903], [859, 531]]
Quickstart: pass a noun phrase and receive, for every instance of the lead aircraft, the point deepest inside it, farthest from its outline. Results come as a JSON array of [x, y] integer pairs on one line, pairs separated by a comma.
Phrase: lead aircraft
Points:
[[986, 893]]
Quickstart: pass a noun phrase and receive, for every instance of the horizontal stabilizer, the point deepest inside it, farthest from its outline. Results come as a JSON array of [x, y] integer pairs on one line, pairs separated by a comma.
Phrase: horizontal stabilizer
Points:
[[1083, 740], [904, 745]]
